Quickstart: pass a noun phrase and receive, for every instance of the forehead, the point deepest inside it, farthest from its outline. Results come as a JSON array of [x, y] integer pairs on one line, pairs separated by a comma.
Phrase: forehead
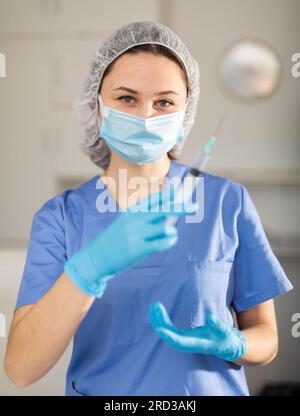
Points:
[[146, 65]]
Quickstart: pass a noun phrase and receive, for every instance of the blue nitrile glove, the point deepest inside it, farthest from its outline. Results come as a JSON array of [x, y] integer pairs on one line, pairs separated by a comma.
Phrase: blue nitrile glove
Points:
[[134, 234], [216, 337]]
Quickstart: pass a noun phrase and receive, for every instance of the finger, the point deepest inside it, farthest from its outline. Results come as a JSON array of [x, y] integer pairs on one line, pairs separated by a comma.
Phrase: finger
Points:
[[184, 343], [160, 244], [144, 204], [182, 209], [186, 206], [155, 217], [171, 211], [159, 317], [162, 203], [154, 201], [217, 325], [159, 230], [166, 213]]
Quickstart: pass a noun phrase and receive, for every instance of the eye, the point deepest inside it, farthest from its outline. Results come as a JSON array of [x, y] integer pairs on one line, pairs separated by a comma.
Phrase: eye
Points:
[[164, 104], [166, 101], [126, 99], [125, 96]]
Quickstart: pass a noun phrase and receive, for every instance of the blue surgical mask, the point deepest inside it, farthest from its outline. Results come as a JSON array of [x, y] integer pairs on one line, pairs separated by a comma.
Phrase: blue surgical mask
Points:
[[140, 140]]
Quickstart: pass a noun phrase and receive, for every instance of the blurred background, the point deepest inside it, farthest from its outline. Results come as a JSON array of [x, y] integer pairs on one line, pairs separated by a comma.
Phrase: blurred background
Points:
[[245, 50]]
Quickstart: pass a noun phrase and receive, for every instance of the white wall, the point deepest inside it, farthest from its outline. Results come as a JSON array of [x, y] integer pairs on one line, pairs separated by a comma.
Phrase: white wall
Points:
[[267, 132], [47, 44]]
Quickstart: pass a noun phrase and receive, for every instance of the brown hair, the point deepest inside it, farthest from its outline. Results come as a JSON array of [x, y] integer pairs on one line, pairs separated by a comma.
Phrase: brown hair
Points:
[[155, 50]]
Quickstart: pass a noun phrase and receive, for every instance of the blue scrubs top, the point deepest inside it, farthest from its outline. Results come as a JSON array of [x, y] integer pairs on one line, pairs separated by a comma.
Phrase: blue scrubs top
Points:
[[223, 264]]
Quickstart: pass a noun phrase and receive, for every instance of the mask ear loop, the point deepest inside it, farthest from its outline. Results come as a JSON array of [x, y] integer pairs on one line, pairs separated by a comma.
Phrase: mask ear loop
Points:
[[183, 113], [100, 108], [101, 105], [184, 109], [103, 109]]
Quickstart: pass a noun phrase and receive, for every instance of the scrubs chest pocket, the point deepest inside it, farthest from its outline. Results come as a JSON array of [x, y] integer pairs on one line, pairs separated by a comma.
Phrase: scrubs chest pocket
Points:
[[210, 288]]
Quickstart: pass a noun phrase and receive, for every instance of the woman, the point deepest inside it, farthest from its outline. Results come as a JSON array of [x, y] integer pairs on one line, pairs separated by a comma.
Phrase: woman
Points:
[[150, 304]]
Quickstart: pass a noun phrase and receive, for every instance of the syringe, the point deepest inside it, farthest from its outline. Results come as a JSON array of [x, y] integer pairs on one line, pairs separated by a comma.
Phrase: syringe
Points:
[[185, 192]]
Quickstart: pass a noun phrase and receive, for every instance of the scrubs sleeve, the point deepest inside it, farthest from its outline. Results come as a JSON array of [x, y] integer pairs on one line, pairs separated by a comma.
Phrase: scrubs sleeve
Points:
[[258, 274], [46, 253]]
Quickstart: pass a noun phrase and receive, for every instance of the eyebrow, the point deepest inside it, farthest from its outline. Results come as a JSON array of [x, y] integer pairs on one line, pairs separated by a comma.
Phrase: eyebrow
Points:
[[136, 92]]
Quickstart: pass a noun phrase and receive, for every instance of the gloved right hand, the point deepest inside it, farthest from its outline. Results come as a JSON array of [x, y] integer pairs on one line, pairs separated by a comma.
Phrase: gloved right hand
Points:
[[136, 233]]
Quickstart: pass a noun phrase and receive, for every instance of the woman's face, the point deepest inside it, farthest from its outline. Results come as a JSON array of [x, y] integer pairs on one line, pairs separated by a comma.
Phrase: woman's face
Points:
[[144, 85]]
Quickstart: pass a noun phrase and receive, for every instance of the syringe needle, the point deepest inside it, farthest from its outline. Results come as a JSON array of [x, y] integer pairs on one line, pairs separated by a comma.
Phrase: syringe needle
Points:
[[203, 156], [219, 126], [185, 192]]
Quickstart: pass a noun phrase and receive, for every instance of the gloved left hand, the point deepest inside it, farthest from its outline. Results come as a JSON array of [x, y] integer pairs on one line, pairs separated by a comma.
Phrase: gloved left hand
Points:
[[136, 233], [216, 337]]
